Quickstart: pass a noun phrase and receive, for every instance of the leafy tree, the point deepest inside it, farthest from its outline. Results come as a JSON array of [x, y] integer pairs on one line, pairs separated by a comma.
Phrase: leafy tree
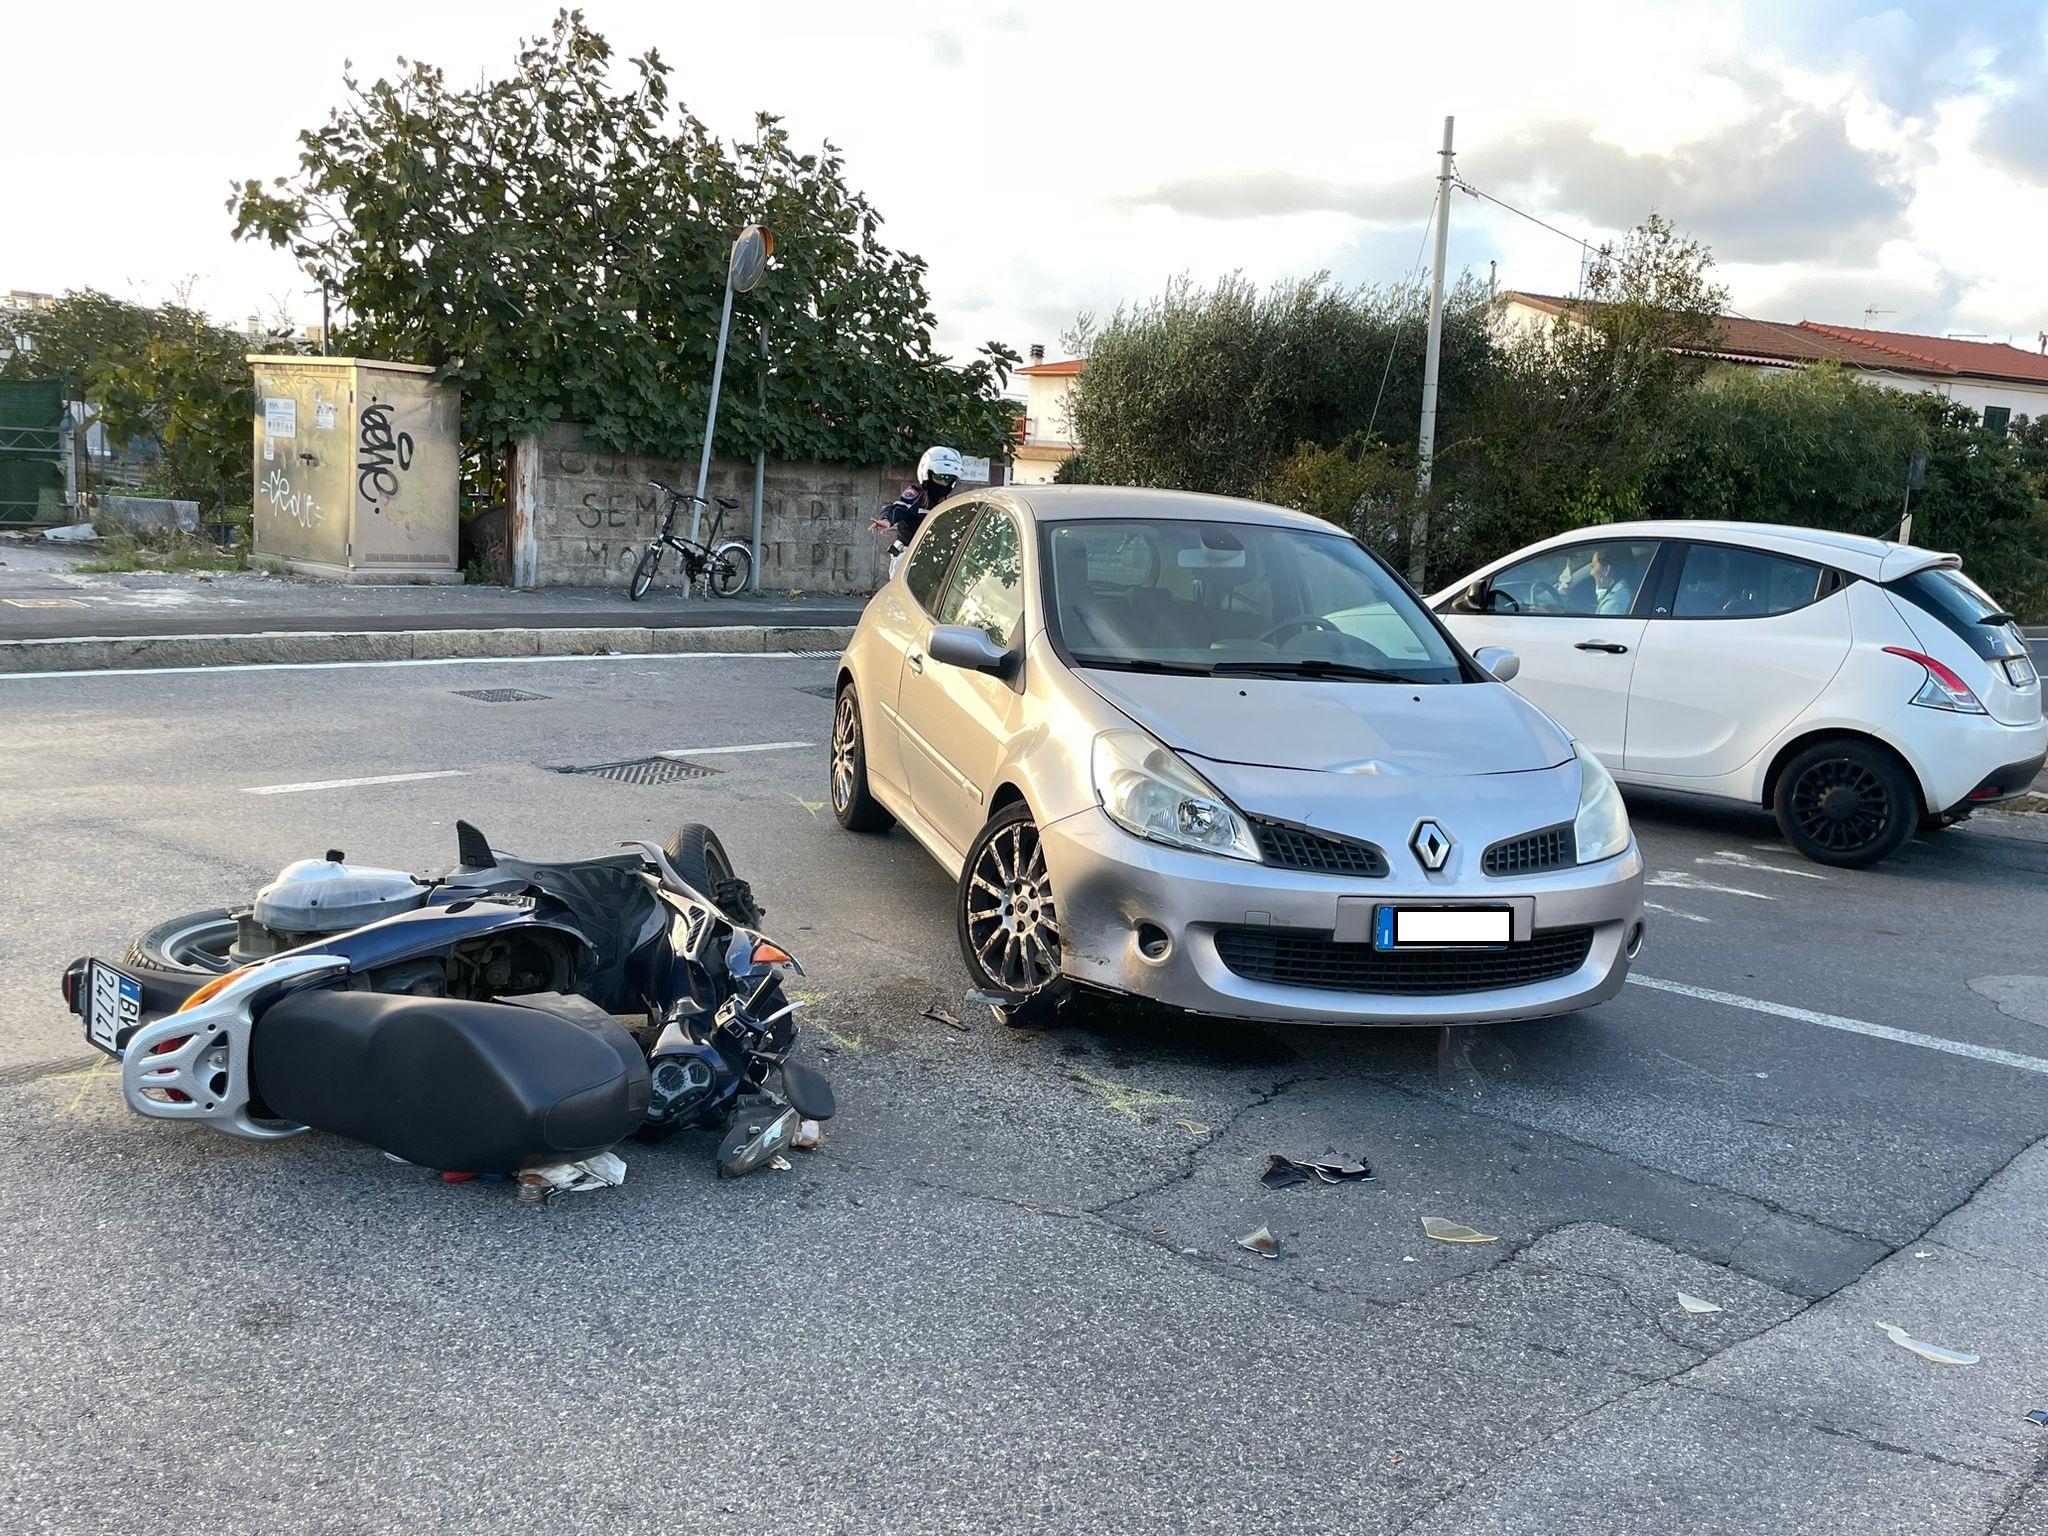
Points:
[[558, 249], [163, 375], [1213, 389]]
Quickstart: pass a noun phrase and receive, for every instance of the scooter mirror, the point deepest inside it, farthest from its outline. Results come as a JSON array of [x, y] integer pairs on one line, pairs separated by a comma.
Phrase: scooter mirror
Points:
[[808, 1091]]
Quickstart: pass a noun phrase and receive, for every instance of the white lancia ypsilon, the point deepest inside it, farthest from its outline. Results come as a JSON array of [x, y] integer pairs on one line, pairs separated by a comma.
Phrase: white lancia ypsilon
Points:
[[1216, 754], [1857, 689]]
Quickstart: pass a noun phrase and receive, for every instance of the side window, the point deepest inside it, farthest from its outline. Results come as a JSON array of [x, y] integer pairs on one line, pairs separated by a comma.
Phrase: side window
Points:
[[933, 552], [1720, 582], [1579, 581], [987, 589]]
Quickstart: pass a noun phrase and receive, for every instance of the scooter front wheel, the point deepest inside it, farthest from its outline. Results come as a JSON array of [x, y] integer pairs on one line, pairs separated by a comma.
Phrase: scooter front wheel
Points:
[[644, 572]]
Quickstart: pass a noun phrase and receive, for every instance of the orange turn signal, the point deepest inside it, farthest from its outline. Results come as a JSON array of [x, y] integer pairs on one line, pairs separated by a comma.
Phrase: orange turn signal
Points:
[[211, 988], [771, 954]]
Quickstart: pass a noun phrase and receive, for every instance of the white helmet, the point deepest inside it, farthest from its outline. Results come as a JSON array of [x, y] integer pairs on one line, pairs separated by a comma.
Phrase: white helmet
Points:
[[939, 464]]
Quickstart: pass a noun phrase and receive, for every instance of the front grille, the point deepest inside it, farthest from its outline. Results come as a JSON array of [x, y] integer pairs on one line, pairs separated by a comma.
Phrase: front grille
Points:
[[1295, 958], [1531, 853], [1296, 848]]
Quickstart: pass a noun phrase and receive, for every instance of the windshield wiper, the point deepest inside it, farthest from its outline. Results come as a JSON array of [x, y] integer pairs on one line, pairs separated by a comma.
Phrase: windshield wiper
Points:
[[1140, 664], [1999, 618], [1309, 666]]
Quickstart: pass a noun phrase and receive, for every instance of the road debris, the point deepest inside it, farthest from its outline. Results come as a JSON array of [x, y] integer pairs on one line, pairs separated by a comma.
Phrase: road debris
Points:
[[1924, 1253], [809, 1136], [1261, 1242], [607, 1170], [940, 1016], [2036, 1416], [1454, 1232], [1938, 1353], [1193, 1127], [1695, 1305], [1285, 1172], [780, 1163]]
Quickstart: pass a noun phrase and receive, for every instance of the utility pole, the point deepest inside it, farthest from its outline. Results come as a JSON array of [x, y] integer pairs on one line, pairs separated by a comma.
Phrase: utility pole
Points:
[[1425, 452]]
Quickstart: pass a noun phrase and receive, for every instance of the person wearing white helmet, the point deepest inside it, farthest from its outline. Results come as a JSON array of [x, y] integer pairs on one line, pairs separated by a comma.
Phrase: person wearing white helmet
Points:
[[937, 473]]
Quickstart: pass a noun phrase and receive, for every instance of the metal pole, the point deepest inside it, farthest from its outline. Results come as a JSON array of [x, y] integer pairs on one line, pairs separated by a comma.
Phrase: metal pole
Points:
[[1425, 452], [760, 467], [326, 324], [711, 416]]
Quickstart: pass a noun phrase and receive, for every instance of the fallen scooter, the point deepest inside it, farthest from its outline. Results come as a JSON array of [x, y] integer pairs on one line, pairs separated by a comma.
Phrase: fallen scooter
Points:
[[501, 1016]]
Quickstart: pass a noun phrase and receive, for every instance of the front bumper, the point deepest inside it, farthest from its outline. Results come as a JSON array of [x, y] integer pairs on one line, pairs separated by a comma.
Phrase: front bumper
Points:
[[1109, 883]]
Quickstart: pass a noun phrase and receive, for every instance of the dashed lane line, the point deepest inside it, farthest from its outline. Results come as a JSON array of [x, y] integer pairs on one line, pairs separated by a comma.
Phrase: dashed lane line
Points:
[[1847, 1026], [375, 778], [1682, 880]]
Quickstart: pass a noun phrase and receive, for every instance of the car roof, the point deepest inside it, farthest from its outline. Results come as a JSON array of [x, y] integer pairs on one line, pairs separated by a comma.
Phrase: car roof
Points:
[[1855, 553], [1061, 503]]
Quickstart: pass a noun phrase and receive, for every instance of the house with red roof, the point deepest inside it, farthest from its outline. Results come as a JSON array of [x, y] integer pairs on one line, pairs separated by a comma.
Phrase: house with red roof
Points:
[[1995, 379], [1048, 439]]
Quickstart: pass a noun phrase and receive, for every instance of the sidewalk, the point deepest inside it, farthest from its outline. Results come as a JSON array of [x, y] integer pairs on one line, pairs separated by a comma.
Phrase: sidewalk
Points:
[[54, 617]]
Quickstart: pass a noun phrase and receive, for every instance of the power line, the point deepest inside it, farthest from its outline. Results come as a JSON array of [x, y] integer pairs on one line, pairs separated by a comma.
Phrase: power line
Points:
[[1414, 271]]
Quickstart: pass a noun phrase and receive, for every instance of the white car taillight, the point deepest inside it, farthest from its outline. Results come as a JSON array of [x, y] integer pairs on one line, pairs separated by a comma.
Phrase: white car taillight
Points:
[[1942, 689]]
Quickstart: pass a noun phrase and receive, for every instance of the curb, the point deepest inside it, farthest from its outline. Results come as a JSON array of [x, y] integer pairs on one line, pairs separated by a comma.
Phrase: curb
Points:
[[93, 653]]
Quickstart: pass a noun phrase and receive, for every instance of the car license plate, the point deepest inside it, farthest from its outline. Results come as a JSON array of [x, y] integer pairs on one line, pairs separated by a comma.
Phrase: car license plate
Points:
[[2019, 671], [113, 1006], [1442, 927]]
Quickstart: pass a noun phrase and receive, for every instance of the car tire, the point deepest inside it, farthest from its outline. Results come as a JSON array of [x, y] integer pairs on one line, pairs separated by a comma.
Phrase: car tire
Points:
[[1005, 914], [852, 801], [1847, 803]]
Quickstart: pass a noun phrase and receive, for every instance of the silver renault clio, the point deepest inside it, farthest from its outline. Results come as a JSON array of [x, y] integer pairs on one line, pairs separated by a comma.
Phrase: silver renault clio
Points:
[[1215, 754]]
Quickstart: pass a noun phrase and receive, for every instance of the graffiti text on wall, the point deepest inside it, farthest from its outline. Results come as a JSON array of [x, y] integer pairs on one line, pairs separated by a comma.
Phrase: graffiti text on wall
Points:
[[299, 506], [381, 456]]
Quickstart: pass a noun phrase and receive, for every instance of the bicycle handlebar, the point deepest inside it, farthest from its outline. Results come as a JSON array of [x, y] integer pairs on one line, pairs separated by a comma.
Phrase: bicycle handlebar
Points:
[[679, 495]]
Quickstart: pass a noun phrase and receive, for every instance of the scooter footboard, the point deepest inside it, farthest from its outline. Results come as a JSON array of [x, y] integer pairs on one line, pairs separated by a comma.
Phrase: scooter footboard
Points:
[[479, 1087]]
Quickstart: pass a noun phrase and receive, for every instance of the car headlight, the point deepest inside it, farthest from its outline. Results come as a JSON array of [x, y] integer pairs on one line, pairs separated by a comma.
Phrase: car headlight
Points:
[[1151, 793], [1601, 828]]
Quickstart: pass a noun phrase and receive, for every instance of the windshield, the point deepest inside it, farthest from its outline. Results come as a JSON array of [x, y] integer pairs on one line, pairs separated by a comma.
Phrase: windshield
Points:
[[1209, 597], [1962, 606]]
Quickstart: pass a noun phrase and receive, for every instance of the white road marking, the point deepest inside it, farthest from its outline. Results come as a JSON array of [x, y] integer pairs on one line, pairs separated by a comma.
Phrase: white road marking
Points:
[[379, 778], [752, 746], [1744, 861], [1848, 1026], [432, 661], [1690, 917], [1680, 880]]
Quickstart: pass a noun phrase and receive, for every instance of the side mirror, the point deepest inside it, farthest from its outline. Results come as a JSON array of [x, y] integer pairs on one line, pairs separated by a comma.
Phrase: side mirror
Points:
[[1473, 598], [964, 646], [1504, 665]]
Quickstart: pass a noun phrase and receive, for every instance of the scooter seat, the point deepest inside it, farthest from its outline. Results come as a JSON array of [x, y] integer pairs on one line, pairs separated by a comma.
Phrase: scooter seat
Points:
[[474, 1087]]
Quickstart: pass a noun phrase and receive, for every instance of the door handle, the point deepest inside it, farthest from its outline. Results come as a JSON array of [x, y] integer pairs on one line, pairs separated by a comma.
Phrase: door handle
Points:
[[1602, 645], [916, 661]]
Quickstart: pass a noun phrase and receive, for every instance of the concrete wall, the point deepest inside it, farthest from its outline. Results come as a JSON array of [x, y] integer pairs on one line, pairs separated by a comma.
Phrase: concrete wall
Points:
[[594, 512]]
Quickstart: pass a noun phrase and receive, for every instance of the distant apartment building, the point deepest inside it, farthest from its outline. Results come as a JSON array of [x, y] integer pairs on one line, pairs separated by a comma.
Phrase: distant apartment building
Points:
[[1048, 437], [1996, 380]]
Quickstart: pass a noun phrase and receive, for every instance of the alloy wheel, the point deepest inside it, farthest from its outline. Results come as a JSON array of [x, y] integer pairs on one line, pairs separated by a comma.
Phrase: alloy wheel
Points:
[[1012, 922], [1841, 805], [845, 750]]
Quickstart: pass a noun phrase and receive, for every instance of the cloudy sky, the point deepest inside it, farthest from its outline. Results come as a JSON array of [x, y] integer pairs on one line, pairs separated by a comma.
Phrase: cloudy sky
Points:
[[1049, 158]]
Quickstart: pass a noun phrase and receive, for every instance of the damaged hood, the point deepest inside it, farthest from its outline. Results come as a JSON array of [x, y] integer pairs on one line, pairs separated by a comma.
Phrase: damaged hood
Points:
[[1437, 730]]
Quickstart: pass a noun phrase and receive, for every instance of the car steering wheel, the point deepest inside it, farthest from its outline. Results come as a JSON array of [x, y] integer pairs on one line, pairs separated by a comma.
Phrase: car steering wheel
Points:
[[1289, 626]]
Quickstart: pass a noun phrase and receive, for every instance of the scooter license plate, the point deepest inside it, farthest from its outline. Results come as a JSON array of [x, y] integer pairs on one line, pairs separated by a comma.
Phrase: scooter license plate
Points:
[[113, 1007], [1442, 927]]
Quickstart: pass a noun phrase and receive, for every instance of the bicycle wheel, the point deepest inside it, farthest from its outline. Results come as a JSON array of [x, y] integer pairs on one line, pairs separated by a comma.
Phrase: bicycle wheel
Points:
[[643, 573], [731, 567]]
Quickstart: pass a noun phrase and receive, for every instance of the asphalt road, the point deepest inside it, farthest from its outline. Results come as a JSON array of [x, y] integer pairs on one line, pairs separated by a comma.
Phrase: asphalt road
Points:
[[1005, 1296]]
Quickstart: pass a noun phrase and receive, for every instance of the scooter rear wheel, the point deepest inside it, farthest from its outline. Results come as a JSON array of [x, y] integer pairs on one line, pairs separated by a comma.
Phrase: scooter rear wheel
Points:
[[186, 948]]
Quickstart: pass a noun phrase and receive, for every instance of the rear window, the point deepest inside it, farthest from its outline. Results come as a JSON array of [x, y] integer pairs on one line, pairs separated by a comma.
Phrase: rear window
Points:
[[1962, 606]]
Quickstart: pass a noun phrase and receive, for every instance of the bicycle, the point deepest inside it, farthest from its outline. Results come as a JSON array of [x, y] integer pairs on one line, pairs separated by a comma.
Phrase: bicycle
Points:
[[724, 569]]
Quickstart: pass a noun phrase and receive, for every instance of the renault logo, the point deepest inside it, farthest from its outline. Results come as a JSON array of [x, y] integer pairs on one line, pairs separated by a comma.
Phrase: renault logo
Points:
[[1432, 845]]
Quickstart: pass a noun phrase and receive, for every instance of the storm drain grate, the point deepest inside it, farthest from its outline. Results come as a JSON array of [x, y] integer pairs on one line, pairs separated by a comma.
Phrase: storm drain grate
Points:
[[499, 695], [646, 770], [822, 691]]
